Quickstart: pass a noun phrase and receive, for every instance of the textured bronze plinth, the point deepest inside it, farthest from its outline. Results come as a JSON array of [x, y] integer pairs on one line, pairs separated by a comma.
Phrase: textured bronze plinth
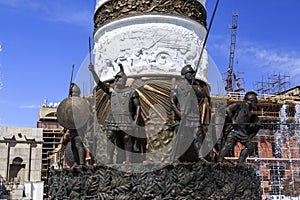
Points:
[[173, 181], [117, 9]]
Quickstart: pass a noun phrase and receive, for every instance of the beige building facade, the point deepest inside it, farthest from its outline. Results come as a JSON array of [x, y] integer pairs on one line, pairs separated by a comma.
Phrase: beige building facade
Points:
[[21, 153]]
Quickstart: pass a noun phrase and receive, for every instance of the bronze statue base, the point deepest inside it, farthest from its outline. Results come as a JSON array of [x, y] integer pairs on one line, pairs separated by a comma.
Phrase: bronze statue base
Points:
[[174, 181]]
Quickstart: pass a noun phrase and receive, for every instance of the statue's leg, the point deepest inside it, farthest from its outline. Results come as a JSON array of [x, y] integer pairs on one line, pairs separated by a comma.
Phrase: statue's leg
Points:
[[139, 148], [128, 147], [174, 153], [74, 151], [198, 138], [229, 143], [120, 147], [143, 149], [202, 143], [110, 145], [81, 152], [188, 151], [248, 150]]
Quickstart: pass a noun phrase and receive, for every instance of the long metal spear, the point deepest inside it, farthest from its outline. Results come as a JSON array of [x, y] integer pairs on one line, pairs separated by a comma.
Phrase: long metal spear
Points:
[[70, 86], [206, 36], [90, 50]]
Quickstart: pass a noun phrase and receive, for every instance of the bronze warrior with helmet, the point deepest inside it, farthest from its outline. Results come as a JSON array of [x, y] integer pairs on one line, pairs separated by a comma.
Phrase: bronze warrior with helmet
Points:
[[241, 126], [72, 114], [186, 98], [124, 119]]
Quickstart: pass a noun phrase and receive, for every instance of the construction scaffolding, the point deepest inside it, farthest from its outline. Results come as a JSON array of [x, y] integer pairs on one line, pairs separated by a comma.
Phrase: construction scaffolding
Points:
[[274, 83], [277, 154]]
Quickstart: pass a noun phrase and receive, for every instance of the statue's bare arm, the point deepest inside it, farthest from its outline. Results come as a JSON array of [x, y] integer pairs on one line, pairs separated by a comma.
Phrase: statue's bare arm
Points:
[[231, 109], [101, 84]]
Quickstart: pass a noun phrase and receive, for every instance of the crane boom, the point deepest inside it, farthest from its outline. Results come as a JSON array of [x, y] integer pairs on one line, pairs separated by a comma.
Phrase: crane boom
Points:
[[230, 75], [233, 39]]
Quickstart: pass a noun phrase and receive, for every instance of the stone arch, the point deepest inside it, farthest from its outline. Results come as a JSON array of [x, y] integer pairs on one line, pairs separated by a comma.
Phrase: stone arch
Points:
[[17, 170]]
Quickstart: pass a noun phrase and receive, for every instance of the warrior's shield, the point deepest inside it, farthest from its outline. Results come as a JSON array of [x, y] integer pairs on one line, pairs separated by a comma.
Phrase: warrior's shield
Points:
[[73, 112]]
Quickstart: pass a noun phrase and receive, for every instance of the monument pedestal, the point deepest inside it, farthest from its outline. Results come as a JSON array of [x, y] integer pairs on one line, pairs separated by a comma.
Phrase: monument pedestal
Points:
[[155, 181]]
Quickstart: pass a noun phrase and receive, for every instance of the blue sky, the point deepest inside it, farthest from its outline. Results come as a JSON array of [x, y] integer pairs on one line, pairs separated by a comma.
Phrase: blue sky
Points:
[[40, 40], [267, 38]]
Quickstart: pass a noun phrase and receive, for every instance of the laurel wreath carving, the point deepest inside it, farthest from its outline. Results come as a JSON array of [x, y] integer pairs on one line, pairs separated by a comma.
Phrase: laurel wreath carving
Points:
[[174, 181]]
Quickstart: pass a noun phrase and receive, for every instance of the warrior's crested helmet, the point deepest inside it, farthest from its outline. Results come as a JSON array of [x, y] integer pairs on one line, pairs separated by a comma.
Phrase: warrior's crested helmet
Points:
[[251, 96], [121, 73], [74, 90], [251, 99], [186, 69]]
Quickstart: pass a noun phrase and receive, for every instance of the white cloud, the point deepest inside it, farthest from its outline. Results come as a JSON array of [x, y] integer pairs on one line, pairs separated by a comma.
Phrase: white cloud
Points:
[[72, 16], [62, 11], [258, 60], [218, 45], [272, 59], [30, 107], [31, 4], [66, 11]]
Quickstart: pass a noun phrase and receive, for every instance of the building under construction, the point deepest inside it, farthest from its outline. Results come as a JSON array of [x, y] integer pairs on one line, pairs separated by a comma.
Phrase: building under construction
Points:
[[52, 134], [277, 154]]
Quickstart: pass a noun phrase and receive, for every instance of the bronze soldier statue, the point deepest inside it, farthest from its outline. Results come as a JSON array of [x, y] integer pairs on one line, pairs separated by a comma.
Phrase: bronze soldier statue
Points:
[[186, 98], [241, 126], [123, 128], [72, 114]]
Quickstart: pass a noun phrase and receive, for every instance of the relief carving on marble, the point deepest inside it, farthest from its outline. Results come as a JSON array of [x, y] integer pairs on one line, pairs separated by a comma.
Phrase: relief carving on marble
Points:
[[148, 49]]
